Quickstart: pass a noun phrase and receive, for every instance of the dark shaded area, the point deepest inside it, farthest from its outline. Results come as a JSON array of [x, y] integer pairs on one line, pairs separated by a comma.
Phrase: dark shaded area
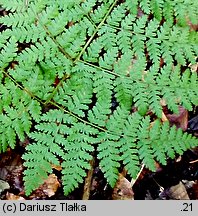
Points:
[[167, 176], [193, 124]]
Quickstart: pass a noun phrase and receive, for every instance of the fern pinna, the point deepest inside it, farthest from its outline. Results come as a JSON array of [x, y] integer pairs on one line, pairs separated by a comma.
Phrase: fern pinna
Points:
[[71, 71]]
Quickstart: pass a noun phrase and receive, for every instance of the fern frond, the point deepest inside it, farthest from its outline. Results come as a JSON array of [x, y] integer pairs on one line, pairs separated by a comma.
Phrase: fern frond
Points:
[[156, 7], [153, 44], [17, 111], [176, 92], [168, 11], [116, 16], [108, 37], [162, 135], [103, 91], [109, 146], [33, 79], [38, 161], [127, 22], [185, 8], [24, 14], [124, 41], [128, 148], [60, 136], [76, 94], [109, 58], [132, 6], [17, 5], [100, 12], [8, 53], [109, 156], [144, 144], [79, 73]]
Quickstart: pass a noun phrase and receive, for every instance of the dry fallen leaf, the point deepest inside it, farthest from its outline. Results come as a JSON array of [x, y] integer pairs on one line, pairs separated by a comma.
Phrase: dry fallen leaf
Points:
[[194, 67], [11, 196], [195, 190], [47, 189], [11, 169], [51, 185], [123, 189], [178, 192], [163, 102], [56, 167], [179, 120]]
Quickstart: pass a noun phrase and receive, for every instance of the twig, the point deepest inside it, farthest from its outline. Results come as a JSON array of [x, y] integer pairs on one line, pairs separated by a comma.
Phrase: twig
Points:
[[138, 175], [164, 118], [195, 161], [88, 181]]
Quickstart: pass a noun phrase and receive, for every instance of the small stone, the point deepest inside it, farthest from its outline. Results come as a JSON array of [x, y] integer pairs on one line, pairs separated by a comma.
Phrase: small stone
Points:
[[3, 186]]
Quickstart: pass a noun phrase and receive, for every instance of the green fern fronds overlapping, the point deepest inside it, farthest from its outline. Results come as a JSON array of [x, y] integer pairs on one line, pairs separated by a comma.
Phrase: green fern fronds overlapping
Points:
[[71, 71]]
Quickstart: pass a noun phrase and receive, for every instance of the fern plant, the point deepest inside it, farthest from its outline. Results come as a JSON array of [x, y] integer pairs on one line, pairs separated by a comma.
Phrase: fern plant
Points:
[[71, 71]]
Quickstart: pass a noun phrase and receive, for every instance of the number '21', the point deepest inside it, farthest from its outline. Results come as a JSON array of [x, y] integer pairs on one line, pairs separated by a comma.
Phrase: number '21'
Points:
[[187, 207]]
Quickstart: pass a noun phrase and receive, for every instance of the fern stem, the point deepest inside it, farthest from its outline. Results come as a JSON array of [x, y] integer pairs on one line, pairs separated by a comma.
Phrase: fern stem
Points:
[[95, 32], [75, 116], [66, 76], [88, 181], [52, 103], [133, 181], [52, 37], [100, 68], [23, 89], [82, 51]]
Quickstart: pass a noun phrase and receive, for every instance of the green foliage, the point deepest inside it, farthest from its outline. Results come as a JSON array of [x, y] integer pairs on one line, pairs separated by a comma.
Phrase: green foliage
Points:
[[74, 72], [59, 136], [17, 113]]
